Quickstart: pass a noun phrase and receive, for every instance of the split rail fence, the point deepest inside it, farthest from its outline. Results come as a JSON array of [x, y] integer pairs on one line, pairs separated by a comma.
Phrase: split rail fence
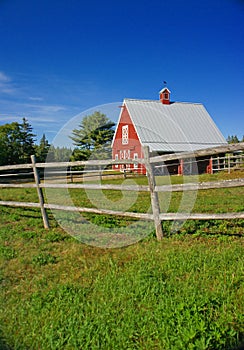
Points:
[[157, 216]]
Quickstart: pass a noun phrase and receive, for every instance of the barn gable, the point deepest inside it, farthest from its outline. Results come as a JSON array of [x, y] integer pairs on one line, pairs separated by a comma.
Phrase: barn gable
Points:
[[126, 143]]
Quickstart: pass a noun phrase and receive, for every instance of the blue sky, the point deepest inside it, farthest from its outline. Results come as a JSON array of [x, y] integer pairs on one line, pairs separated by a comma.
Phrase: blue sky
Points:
[[59, 58]]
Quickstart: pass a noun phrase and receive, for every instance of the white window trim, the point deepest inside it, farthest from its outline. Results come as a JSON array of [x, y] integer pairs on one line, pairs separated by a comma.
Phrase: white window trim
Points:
[[125, 134]]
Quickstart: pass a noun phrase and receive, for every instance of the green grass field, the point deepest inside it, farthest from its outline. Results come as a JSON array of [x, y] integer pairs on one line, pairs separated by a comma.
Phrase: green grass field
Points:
[[185, 292]]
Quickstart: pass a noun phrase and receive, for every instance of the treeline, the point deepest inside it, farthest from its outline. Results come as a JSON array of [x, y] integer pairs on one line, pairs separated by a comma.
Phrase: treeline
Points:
[[18, 143], [92, 140], [234, 139]]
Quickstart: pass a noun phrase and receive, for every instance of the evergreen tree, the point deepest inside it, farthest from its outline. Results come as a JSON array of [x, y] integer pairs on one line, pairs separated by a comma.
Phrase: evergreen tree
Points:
[[27, 141], [58, 154], [62, 154], [232, 139], [42, 149], [93, 137]]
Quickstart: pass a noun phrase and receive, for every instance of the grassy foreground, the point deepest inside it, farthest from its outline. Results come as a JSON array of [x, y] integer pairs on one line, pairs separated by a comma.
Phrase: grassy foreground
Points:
[[185, 292]]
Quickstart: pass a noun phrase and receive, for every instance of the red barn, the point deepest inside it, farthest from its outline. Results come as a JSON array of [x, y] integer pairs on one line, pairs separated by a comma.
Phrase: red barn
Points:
[[164, 126]]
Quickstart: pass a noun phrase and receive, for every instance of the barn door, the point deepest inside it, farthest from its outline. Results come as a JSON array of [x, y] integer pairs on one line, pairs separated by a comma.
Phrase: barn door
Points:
[[124, 154], [187, 166]]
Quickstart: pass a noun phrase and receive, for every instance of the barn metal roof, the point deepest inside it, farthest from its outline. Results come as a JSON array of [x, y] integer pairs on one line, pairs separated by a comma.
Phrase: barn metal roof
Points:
[[176, 127]]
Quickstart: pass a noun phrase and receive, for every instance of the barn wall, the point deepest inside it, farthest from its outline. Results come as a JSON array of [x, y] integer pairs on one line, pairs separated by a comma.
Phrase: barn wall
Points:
[[190, 166], [131, 149]]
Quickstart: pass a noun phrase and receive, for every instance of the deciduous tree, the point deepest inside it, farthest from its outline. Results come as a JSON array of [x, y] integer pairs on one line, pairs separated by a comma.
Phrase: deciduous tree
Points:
[[16, 143], [10, 144]]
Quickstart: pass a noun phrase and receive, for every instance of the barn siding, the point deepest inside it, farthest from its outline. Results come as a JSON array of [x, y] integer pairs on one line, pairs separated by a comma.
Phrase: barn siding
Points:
[[131, 148]]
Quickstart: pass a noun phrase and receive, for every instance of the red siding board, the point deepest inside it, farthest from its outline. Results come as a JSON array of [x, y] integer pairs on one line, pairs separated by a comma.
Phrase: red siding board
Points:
[[132, 147]]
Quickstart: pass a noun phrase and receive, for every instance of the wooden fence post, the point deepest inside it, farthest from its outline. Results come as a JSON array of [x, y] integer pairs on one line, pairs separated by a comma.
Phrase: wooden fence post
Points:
[[100, 173], [211, 165], [39, 192], [154, 195], [228, 163], [70, 174]]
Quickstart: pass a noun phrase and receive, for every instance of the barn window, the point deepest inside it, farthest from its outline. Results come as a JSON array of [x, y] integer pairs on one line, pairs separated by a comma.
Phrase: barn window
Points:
[[125, 135], [166, 96]]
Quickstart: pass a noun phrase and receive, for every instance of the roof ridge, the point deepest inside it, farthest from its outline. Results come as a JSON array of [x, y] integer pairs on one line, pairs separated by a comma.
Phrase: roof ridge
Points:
[[158, 101]]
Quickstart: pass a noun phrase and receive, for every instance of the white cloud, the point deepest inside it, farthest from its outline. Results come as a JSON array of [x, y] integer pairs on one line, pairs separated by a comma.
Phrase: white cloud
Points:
[[45, 102], [36, 98], [43, 120], [44, 108], [4, 78], [6, 90], [6, 85], [8, 117]]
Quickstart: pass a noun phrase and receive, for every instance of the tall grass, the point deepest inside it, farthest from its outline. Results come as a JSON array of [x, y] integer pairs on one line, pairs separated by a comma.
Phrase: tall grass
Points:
[[185, 292]]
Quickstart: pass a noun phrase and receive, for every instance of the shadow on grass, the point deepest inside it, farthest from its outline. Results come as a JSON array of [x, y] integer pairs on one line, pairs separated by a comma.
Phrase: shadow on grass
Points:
[[240, 347], [3, 345]]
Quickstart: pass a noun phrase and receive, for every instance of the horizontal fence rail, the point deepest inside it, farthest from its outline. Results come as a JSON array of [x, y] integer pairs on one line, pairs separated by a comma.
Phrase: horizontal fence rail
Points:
[[143, 216], [203, 152], [204, 216], [143, 188], [152, 188], [228, 162], [200, 186]]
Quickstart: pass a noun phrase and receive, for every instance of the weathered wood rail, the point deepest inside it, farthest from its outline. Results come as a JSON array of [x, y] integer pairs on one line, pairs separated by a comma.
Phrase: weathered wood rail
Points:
[[154, 189]]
